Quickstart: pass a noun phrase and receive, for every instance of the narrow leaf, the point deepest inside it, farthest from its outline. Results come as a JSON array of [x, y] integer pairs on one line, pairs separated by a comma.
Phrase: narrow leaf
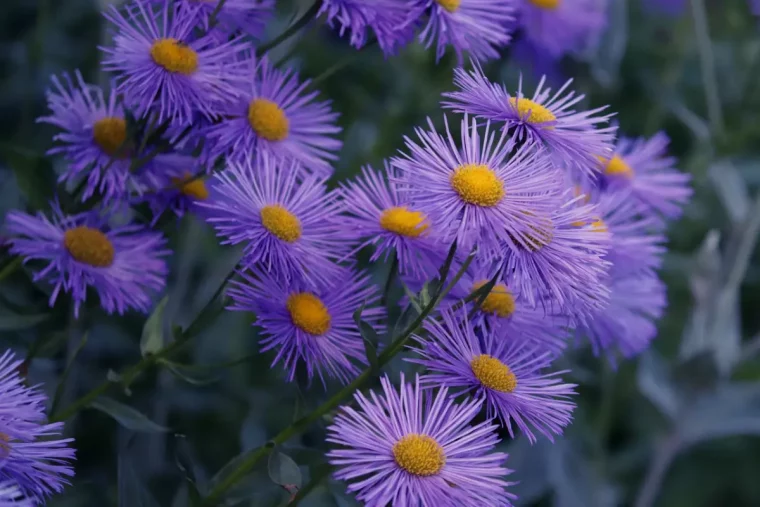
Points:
[[153, 332], [182, 372], [283, 470], [127, 416], [19, 322], [654, 381], [369, 335]]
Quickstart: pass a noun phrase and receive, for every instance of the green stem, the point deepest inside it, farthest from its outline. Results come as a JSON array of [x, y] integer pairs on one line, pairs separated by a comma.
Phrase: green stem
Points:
[[292, 29], [213, 18], [389, 281], [215, 496]]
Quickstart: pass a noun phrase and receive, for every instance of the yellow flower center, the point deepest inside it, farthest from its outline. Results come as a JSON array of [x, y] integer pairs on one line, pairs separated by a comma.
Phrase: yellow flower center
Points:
[[404, 222], [531, 111], [546, 4], [616, 166], [194, 188], [174, 56], [268, 120], [89, 246], [499, 301], [477, 184], [110, 133], [419, 455], [493, 374], [449, 5], [281, 222], [309, 313]]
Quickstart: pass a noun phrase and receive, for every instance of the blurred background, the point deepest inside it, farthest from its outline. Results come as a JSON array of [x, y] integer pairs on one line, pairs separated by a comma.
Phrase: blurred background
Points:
[[677, 427]]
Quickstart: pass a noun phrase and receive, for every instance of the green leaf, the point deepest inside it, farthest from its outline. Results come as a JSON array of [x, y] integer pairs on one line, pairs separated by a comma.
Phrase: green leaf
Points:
[[283, 470], [127, 416], [655, 382], [66, 373], [34, 175], [153, 332], [19, 322], [370, 337], [132, 491], [187, 374]]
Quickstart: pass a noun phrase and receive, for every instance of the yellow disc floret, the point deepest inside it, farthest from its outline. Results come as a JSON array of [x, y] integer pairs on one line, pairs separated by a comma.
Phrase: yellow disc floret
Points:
[[616, 166], [110, 133], [499, 301], [449, 5], [192, 187], [477, 184], [268, 120], [419, 455], [531, 111], [546, 4], [493, 374], [89, 246], [309, 313], [403, 221], [281, 222], [174, 56]]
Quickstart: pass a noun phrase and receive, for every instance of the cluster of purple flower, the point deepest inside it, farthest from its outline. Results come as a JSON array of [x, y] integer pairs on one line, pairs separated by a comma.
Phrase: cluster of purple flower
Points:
[[538, 201]]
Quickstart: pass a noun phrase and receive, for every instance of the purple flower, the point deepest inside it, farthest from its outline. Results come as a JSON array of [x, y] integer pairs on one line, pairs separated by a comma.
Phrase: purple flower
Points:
[[123, 264], [505, 312], [479, 27], [93, 140], [562, 257], [33, 457], [411, 448], [392, 21], [275, 114], [315, 327], [163, 69], [284, 216], [627, 326], [481, 191], [575, 138], [643, 166], [503, 371], [380, 213], [563, 26], [12, 496], [175, 183], [247, 16]]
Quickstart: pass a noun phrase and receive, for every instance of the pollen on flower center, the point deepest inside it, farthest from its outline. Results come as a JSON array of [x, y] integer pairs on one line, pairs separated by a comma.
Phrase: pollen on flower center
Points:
[[309, 313], [493, 374], [268, 120], [449, 5], [478, 184], [174, 56], [110, 133], [192, 187], [89, 246], [5, 445], [546, 4], [499, 301], [616, 166], [281, 222], [419, 454], [531, 111], [401, 220], [598, 226]]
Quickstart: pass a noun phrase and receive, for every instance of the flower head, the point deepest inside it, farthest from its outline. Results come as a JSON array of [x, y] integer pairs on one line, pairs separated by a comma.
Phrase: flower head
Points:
[[479, 27], [276, 114], [503, 371], [33, 457], [481, 191], [412, 448], [162, 68], [575, 138], [313, 326], [560, 27], [93, 138], [643, 166], [284, 216], [177, 184], [123, 264]]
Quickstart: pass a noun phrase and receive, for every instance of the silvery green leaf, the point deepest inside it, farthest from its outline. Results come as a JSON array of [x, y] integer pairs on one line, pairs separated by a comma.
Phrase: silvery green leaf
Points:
[[132, 491], [127, 416], [731, 189], [733, 409], [153, 331], [283, 470], [529, 464], [655, 382], [609, 52], [575, 481]]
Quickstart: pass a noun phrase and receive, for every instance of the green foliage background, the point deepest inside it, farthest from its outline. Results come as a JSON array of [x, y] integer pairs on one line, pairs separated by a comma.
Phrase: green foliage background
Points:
[[692, 404]]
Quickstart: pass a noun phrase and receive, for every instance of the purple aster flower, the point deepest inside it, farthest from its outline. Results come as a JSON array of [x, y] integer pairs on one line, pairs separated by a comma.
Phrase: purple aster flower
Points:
[[12, 496], [410, 448], [627, 326], [479, 27], [575, 138], [481, 191], [643, 166], [315, 327], [285, 216], [93, 140], [123, 264], [247, 16], [563, 26], [505, 312], [176, 183], [506, 373], [275, 114], [380, 214], [563, 258], [163, 69], [33, 457]]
